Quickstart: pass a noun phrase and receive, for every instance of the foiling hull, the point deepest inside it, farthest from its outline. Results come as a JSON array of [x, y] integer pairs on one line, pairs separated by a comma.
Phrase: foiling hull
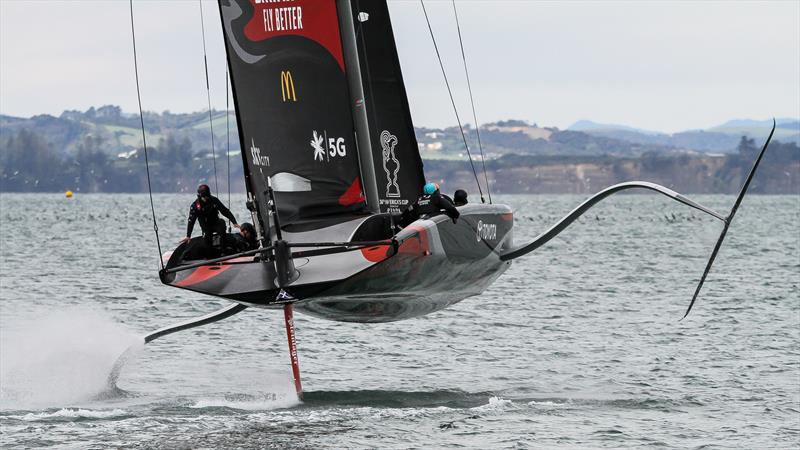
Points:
[[437, 263]]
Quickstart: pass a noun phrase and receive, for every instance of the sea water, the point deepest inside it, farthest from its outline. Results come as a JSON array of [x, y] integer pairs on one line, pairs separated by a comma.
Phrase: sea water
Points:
[[578, 345]]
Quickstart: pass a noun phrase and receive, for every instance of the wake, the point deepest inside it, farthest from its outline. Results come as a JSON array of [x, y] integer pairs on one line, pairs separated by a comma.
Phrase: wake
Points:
[[59, 358]]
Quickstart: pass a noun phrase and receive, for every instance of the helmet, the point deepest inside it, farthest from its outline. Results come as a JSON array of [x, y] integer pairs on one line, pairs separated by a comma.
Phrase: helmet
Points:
[[430, 188], [203, 190]]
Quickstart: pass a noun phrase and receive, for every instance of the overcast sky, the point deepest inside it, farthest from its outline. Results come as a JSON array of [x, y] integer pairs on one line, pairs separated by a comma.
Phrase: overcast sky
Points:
[[664, 66]]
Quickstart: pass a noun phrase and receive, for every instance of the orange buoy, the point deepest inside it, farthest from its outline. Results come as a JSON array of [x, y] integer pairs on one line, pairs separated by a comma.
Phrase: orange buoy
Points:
[[68, 194]]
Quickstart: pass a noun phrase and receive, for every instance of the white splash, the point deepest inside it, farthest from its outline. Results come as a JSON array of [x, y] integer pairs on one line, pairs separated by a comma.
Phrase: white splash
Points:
[[281, 395], [496, 404], [548, 403], [58, 358], [260, 402], [74, 413]]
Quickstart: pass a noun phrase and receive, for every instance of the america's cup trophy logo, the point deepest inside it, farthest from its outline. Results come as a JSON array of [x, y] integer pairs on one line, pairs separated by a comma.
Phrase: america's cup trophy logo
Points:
[[390, 163]]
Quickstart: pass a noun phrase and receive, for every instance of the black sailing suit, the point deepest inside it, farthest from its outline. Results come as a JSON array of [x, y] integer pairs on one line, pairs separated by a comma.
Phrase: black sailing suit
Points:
[[241, 244], [430, 205], [208, 215]]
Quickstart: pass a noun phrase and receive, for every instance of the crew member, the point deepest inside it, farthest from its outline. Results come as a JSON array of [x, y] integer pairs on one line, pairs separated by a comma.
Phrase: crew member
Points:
[[460, 197], [245, 239], [206, 209], [431, 203]]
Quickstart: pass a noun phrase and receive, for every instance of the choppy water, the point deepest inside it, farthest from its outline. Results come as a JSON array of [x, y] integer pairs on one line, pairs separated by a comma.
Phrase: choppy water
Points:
[[577, 345]]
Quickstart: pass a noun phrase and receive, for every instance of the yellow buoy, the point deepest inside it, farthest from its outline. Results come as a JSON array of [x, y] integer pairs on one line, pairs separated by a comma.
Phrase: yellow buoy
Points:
[[68, 194]]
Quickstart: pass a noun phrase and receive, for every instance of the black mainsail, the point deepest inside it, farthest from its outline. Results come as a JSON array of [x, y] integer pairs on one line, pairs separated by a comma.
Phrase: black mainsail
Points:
[[298, 107], [293, 106]]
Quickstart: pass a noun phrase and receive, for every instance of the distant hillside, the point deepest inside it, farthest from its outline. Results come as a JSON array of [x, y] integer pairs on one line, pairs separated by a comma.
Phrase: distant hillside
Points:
[[685, 173], [521, 138], [719, 139], [100, 150], [788, 130], [588, 125], [120, 132], [783, 122]]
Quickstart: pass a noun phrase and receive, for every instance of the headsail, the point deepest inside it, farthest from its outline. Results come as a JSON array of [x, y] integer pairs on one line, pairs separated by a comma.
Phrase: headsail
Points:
[[293, 106], [395, 154]]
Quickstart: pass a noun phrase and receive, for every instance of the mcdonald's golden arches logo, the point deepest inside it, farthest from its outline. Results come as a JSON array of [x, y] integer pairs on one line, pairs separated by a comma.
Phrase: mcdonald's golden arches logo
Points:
[[287, 86]]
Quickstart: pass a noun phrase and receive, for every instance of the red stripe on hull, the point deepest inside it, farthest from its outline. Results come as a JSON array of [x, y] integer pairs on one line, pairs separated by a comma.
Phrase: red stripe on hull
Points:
[[201, 274], [375, 254], [416, 244]]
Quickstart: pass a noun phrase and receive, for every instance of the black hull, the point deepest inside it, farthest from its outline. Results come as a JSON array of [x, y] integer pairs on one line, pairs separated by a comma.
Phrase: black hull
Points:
[[403, 288], [437, 264]]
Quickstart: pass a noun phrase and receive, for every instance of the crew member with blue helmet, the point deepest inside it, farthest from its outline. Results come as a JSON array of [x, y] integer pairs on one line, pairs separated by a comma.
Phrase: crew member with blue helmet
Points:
[[431, 203]]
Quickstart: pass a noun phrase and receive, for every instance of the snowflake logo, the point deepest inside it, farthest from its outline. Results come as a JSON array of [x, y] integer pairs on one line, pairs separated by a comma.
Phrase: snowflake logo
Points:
[[316, 144]]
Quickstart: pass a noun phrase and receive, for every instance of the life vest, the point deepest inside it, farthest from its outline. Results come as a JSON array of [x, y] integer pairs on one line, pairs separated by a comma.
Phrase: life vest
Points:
[[206, 211], [425, 205]]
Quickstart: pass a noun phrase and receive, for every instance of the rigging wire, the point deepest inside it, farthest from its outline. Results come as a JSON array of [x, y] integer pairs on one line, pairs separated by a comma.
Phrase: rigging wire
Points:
[[208, 95], [449, 91], [472, 102], [144, 139]]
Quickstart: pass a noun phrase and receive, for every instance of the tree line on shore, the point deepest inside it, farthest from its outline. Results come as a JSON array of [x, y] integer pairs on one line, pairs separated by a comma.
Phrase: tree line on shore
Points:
[[29, 163]]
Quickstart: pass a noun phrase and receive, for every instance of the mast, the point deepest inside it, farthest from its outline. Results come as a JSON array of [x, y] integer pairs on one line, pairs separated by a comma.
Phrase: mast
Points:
[[351, 61], [381, 102]]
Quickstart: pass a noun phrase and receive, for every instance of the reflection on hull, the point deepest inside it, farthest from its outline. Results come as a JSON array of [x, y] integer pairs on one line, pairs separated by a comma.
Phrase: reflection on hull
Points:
[[390, 292]]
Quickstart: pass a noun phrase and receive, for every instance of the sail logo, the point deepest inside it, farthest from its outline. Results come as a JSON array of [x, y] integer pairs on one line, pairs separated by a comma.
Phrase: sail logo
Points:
[[287, 86], [391, 165], [326, 148], [255, 153], [486, 231], [287, 18]]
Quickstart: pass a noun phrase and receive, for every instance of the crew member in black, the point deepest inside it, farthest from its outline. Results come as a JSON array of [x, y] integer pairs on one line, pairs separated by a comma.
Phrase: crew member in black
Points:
[[245, 239], [431, 203], [206, 210], [460, 197]]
